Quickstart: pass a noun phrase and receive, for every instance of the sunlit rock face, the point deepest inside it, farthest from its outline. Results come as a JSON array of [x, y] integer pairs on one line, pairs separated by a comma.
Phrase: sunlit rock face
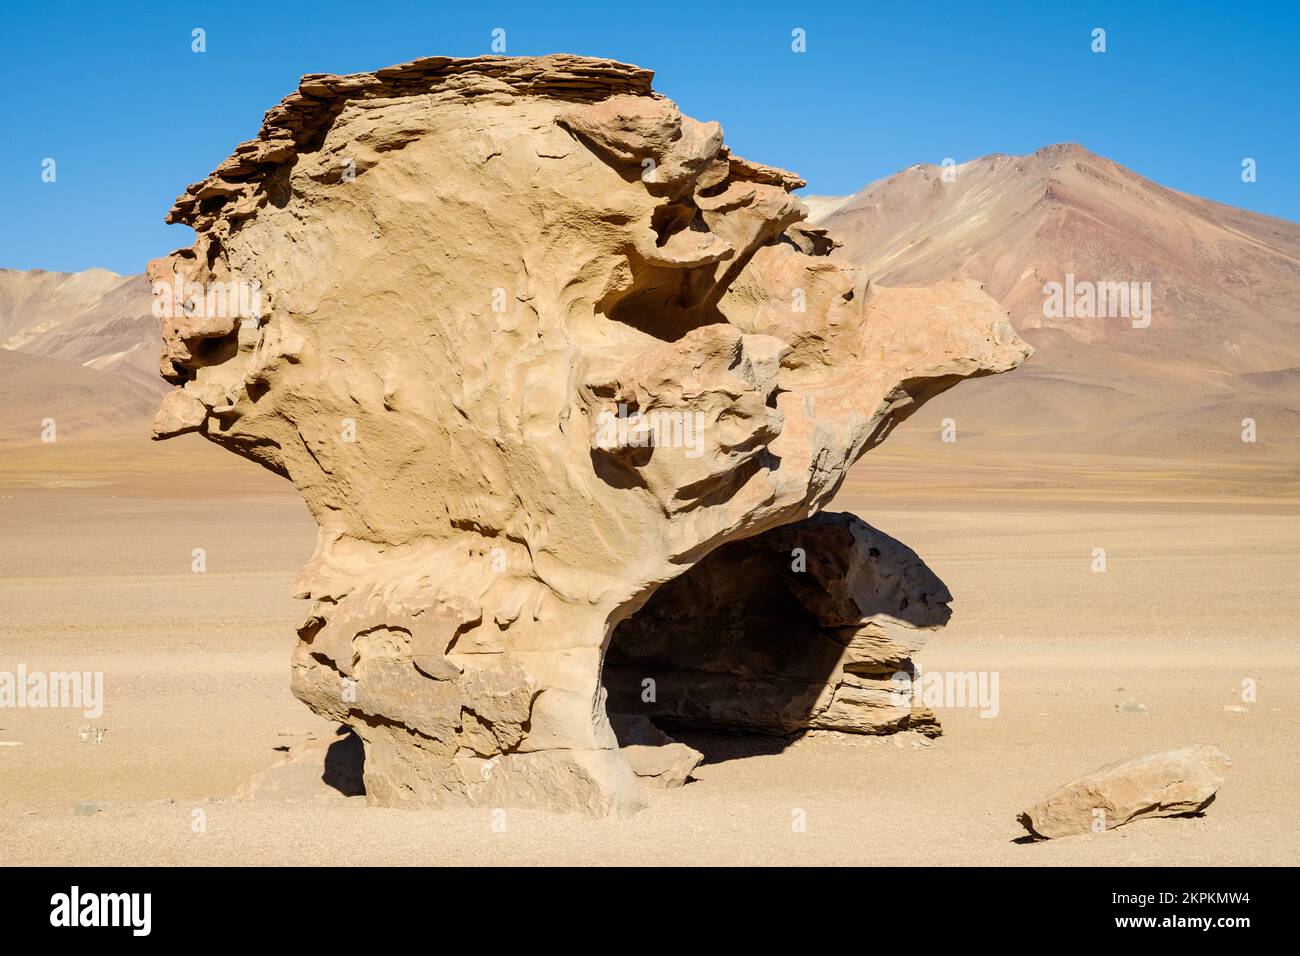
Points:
[[532, 344]]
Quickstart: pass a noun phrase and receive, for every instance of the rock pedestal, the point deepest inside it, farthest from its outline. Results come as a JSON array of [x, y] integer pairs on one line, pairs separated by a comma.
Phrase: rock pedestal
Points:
[[532, 345]]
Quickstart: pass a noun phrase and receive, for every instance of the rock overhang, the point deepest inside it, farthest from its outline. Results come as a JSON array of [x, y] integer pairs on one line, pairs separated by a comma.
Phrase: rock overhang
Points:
[[531, 344]]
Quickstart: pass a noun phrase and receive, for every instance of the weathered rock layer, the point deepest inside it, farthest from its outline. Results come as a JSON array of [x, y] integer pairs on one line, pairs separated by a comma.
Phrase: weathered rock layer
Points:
[[532, 344]]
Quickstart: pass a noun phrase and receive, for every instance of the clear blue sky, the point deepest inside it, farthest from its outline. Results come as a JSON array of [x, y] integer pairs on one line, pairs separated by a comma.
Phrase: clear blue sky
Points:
[[114, 94]]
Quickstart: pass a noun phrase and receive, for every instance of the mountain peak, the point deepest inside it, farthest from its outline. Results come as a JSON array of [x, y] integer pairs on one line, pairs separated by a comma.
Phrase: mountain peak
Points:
[[1058, 149], [1208, 344], [1016, 223]]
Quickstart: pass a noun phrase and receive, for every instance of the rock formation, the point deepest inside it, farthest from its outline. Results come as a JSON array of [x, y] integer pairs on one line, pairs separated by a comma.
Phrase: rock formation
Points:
[[1166, 784], [802, 627], [532, 345]]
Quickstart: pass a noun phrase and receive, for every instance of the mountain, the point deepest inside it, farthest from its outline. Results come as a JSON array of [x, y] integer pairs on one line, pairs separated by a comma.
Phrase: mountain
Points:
[[80, 348], [1220, 342], [95, 319], [82, 402]]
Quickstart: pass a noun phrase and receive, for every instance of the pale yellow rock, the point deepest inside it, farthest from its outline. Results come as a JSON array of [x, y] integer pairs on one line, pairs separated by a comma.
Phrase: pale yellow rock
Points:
[[1165, 784], [531, 344], [181, 412], [319, 768], [658, 761]]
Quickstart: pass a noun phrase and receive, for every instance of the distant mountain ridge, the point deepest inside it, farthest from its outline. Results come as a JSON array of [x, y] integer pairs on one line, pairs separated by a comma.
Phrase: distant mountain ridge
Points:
[[1223, 344], [95, 318], [80, 348], [1224, 335]]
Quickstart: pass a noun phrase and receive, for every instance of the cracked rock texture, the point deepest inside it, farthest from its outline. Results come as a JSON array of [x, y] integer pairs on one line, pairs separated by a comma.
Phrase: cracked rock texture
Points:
[[532, 344]]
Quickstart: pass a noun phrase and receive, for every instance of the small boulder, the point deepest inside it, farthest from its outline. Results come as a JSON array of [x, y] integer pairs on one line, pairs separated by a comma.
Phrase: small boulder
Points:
[[657, 760], [181, 412], [1165, 784]]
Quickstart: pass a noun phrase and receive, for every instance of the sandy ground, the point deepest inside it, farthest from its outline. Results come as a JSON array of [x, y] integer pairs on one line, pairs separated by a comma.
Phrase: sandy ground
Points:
[[95, 574]]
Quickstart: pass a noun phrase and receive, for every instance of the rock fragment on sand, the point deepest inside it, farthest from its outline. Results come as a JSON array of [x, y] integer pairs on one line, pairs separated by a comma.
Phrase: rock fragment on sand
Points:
[[1164, 784], [313, 769], [657, 760]]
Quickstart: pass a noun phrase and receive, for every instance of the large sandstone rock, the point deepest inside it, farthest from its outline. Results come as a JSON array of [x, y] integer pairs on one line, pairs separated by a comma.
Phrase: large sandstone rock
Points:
[[1165, 784], [532, 345]]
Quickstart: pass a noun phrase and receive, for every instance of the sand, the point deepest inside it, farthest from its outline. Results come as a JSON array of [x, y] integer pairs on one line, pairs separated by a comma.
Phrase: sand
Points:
[[95, 574]]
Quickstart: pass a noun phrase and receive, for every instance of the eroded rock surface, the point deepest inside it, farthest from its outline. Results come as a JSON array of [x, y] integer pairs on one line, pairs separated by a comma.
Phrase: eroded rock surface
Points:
[[532, 344], [803, 627], [1165, 784]]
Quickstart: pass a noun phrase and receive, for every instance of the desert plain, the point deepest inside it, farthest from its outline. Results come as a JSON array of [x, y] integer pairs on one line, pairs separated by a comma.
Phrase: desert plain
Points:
[[96, 542]]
